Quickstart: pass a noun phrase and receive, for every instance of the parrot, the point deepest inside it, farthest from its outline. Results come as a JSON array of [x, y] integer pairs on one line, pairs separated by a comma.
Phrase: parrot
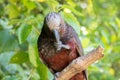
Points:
[[59, 44]]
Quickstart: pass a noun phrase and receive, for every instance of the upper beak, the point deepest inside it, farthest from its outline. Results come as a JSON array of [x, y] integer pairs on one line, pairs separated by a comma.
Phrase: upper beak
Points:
[[57, 36]]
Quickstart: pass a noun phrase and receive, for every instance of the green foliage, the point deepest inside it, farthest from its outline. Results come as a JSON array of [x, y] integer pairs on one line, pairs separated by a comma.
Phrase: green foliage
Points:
[[20, 57], [97, 22], [23, 32], [7, 40], [69, 18]]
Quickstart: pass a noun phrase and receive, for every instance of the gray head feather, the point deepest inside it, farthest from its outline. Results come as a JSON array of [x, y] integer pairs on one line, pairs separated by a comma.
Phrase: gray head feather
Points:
[[53, 20]]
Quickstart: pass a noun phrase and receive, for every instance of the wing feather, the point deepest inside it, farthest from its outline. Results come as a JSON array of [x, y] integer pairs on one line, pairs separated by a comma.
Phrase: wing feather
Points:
[[79, 48]]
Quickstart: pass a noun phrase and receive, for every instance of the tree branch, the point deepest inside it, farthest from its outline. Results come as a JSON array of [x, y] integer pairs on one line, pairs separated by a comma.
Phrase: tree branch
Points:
[[80, 64]]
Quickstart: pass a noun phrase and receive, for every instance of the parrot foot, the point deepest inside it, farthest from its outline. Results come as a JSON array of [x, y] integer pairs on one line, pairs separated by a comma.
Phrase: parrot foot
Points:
[[59, 45], [57, 74]]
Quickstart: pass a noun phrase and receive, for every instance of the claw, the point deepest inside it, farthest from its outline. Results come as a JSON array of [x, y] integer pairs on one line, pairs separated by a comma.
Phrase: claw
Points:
[[66, 46], [57, 74], [59, 45]]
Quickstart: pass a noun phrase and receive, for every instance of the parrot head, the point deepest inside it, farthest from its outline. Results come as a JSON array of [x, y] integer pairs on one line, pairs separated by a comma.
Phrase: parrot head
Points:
[[53, 21], [55, 24]]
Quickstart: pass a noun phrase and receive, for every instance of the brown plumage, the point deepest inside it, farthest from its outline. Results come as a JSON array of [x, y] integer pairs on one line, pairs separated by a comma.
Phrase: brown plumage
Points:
[[57, 59]]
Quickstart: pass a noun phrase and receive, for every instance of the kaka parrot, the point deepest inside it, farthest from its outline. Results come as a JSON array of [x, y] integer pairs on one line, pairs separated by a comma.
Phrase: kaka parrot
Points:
[[58, 45]]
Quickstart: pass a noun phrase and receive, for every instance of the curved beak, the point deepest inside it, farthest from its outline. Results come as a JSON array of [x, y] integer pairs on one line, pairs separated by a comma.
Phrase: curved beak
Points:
[[57, 36]]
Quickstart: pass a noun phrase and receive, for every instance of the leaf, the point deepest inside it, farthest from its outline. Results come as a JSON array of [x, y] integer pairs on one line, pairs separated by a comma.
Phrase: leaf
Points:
[[29, 4], [4, 24], [8, 41], [105, 36], [8, 77], [23, 32], [53, 4], [33, 51], [44, 73], [72, 9], [117, 20], [12, 10], [5, 57], [114, 27], [85, 42], [72, 20], [4, 63], [32, 55], [19, 58]]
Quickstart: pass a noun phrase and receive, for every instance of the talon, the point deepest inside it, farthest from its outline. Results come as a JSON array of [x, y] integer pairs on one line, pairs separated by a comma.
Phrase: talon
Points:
[[59, 45], [66, 46], [57, 74]]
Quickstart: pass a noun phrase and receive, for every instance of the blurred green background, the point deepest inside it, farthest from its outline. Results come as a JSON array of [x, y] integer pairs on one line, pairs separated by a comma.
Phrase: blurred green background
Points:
[[97, 22]]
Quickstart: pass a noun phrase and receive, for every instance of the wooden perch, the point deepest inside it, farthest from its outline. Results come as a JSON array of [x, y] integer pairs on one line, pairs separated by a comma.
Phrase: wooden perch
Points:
[[80, 64]]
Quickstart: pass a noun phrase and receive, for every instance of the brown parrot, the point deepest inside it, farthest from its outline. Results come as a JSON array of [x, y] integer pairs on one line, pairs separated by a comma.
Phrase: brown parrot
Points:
[[58, 45]]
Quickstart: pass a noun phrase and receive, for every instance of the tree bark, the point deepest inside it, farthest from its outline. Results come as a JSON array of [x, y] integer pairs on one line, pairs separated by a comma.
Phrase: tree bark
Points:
[[80, 64]]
